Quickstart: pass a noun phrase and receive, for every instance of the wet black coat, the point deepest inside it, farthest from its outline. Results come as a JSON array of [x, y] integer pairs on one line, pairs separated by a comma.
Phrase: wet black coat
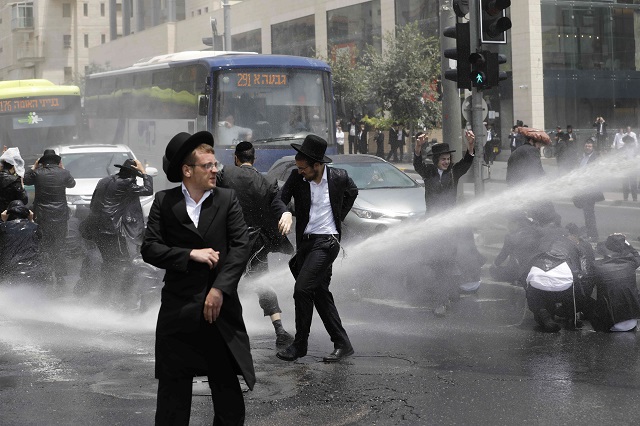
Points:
[[524, 164], [261, 206], [20, 248], [116, 204], [169, 238], [617, 292], [440, 192], [50, 202], [10, 189], [342, 194]]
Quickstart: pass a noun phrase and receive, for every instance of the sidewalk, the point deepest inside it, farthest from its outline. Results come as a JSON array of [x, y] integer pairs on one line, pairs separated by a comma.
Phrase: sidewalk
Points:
[[495, 178]]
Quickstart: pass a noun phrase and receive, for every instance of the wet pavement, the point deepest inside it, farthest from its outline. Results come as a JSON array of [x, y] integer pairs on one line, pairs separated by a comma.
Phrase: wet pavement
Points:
[[71, 361]]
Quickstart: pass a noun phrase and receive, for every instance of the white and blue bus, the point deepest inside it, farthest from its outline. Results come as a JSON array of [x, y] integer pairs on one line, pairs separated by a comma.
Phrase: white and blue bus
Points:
[[270, 100]]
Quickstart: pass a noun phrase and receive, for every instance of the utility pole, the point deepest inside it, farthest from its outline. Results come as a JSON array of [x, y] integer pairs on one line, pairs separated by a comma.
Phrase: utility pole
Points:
[[476, 103], [451, 114], [227, 24]]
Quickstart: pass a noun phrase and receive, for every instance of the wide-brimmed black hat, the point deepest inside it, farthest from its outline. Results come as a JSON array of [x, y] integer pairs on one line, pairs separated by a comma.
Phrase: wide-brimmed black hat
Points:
[[441, 148], [615, 245], [178, 148], [243, 146], [49, 157], [313, 147], [129, 165]]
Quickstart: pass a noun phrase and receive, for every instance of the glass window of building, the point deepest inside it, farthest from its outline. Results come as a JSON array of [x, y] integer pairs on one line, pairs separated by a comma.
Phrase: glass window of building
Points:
[[250, 41], [66, 10], [296, 37], [85, 9], [355, 27], [425, 13], [102, 9], [68, 73], [103, 38], [66, 41], [86, 40], [590, 64], [22, 15]]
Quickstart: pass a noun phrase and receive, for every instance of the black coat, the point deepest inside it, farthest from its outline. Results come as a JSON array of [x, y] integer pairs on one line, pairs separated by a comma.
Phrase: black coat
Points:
[[20, 249], [256, 194], [524, 164], [588, 198], [342, 194], [10, 189], [440, 192], [116, 204], [169, 239], [50, 182]]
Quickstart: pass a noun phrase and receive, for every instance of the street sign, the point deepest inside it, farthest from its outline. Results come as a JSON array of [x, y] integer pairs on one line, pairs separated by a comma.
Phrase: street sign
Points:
[[466, 109]]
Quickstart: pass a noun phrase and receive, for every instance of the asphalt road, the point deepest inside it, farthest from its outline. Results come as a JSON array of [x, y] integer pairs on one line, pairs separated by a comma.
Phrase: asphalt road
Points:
[[66, 360]]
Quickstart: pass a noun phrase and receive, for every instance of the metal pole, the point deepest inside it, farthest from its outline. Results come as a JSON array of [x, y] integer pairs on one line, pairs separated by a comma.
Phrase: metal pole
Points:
[[227, 24], [476, 105], [451, 113]]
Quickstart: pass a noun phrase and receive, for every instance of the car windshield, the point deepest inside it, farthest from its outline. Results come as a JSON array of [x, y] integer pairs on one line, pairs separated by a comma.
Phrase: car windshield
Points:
[[376, 175], [93, 164]]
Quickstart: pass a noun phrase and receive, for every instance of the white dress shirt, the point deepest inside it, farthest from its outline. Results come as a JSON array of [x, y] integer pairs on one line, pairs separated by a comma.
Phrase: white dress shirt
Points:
[[320, 215], [193, 208]]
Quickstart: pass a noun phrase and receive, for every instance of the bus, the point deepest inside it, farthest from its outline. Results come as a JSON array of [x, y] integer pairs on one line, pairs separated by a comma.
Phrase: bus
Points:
[[270, 100], [35, 114]]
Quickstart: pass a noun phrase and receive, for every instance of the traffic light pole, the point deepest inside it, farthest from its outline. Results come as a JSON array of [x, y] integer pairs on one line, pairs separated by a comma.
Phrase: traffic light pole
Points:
[[451, 114], [476, 103]]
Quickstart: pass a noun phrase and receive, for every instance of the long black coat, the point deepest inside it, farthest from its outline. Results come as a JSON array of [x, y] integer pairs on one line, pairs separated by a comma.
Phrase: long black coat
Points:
[[50, 202], [524, 164], [342, 194], [256, 194], [169, 238], [10, 189], [440, 192]]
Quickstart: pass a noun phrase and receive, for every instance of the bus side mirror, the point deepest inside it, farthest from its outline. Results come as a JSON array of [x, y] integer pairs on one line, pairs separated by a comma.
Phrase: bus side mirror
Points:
[[203, 104]]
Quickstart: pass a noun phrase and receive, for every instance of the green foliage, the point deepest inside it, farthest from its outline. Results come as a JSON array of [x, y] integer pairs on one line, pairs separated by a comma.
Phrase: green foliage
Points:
[[381, 123], [350, 87], [402, 78], [79, 78]]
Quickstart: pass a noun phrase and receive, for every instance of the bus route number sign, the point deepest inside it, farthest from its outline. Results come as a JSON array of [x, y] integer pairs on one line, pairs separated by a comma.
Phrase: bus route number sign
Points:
[[261, 79], [9, 106]]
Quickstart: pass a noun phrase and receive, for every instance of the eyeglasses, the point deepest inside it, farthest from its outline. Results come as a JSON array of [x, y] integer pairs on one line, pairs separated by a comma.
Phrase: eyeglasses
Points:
[[300, 169], [208, 167]]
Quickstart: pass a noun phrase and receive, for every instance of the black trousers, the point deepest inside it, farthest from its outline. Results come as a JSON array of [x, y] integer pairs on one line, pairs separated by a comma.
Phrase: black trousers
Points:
[[590, 220], [54, 236], [353, 144], [630, 185], [175, 394], [539, 299], [314, 260], [257, 266]]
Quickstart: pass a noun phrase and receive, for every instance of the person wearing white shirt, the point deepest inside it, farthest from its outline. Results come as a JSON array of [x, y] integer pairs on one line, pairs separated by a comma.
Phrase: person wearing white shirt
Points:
[[323, 197], [340, 139]]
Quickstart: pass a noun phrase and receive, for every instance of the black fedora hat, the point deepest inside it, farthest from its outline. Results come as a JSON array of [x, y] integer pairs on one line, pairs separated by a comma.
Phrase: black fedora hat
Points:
[[441, 148], [178, 148], [243, 146], [49, 156], [129, 165], [615, 245], [313, 147]]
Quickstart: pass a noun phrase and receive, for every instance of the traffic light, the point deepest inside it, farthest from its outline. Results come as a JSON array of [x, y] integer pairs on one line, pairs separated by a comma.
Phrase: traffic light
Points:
[[494, 22], [485, 69], [494, 75], [479, 71], [461, 53]]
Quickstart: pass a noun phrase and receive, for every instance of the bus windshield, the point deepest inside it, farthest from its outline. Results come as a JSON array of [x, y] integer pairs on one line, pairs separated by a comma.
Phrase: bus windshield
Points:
[[271, 107]]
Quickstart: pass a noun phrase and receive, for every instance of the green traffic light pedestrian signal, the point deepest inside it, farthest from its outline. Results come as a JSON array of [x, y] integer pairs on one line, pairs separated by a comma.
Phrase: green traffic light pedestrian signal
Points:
[[478, 74]]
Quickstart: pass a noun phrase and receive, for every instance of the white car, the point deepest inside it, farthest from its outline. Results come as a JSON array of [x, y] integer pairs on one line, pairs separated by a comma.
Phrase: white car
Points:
[[88, 164]]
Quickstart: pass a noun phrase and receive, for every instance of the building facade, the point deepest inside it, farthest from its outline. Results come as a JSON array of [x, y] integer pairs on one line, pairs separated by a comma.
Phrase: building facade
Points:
[[568, 60]]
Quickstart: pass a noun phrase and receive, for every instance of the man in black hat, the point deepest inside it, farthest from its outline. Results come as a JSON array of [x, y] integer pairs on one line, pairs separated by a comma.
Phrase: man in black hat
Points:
[[119, 220], [196, 232], [262, 210], [50, 180], [323, 197], [440, 192]]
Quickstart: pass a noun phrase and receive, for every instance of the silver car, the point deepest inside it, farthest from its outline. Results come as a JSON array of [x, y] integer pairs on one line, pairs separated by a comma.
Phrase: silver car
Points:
[[387, 196]]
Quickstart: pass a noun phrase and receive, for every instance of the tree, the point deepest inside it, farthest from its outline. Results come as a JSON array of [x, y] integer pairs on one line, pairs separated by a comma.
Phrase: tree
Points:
[[350, 87], [404, 77], [79, 79]]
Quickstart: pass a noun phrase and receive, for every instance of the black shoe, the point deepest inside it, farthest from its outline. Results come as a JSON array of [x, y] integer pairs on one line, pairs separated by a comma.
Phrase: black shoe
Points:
[[291, 353], [283, 339], [548, 324], [338, 354]]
